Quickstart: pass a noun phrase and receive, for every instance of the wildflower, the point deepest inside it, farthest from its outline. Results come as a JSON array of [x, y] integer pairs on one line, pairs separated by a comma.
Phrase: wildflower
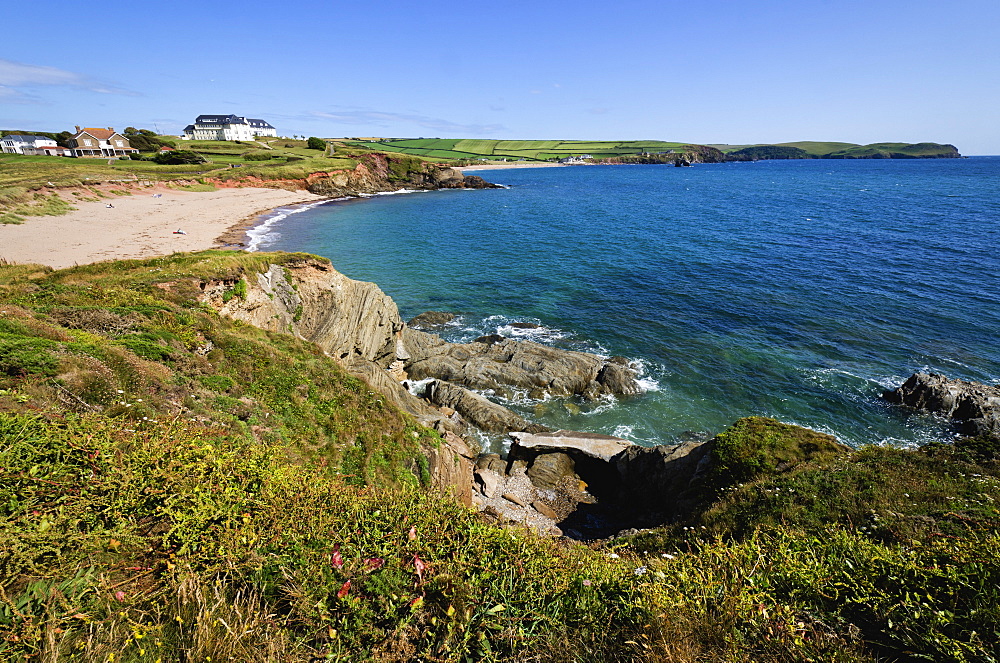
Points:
[[119, 595], [336, 561], [640, 570], [587, 583], [412, 534], [419, 566], [342, 592], [374, 563], [121, 391], [666, 556], [615, 555]]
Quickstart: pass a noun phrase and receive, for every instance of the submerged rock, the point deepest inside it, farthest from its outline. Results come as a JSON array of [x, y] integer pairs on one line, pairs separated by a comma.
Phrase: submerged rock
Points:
[[431, 319], [973, 406]]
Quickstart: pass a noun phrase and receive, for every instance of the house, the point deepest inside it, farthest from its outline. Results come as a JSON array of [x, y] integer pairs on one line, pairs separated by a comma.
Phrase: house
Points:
[[49, 151], [17, 143], [227, 127], [90, 142]]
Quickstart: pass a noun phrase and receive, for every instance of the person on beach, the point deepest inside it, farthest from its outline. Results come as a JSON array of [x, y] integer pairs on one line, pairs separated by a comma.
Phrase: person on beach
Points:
[[110, 206]]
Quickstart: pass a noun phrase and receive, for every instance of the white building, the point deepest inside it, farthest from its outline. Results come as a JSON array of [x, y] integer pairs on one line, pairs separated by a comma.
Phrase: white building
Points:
[[227, 127], [16, 143]]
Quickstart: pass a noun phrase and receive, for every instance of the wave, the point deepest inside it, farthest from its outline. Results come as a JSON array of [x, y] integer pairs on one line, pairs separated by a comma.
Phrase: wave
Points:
[[264, 231]]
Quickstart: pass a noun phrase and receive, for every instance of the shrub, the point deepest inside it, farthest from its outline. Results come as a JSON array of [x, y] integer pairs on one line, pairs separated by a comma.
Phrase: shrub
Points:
[[179, 157], [27, 356], [316, 143], [757, 446], [258, 156]]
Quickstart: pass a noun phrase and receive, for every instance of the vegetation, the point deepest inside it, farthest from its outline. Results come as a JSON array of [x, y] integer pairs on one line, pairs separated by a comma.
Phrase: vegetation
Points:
[[179, 157], [145, 140], [769, 152], [828, 150], [167, 494], [514, 150], [316, 143]]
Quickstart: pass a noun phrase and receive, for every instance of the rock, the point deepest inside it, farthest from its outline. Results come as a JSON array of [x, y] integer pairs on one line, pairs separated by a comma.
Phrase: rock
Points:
[[523, 325], [973, 406], [450, 466], [547, 470], [488, 481], [477, 182], [431, 319], [616, 378], [491, 462], [544, 509], [515, 499], [489, 339], [497, 363], [396, 371], [478, 410], [594, 445]]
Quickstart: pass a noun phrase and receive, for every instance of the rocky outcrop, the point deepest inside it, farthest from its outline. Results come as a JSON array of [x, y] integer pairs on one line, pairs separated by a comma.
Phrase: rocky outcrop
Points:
[[504, 365], [377, 173], [973, 406], [431, 319], [478, 410], [360, 325]]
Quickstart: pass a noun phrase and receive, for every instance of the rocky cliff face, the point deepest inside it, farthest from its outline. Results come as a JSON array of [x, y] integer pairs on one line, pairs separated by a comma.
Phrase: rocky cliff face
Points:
[[360, 325], [379, 173]]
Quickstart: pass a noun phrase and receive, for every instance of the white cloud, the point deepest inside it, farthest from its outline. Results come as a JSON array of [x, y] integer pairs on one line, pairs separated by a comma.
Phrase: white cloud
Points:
[[382, 119], [16, 75]]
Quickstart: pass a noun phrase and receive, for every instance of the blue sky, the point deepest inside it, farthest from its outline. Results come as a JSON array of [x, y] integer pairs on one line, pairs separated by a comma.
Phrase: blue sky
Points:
[[703, 71]]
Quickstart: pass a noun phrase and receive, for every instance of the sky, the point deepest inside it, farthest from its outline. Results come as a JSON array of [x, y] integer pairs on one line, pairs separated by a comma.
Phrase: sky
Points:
[[698, 71]]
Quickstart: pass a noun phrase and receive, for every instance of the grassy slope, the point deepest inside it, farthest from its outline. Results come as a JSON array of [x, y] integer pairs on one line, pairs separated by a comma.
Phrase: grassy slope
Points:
[[820, 149], [23, 178], [166, 493], [531, 150]]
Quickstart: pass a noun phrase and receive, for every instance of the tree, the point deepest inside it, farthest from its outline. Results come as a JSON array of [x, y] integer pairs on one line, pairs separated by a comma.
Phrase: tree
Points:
[[316, 143]]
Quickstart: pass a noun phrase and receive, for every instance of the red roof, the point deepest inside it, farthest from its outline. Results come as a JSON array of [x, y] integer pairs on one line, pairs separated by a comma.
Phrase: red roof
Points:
[[100, 134]]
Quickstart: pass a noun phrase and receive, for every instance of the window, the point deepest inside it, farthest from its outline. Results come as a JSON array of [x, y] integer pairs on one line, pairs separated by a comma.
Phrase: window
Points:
[[86, 141], [119, 143]]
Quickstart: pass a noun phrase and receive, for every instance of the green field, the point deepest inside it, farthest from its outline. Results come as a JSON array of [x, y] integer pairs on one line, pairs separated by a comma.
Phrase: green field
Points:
[[529, 150], [851, 150]]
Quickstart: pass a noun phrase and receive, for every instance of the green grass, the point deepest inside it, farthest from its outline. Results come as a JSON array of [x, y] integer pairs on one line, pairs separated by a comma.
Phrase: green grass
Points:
[[531, 150], [166, 494]]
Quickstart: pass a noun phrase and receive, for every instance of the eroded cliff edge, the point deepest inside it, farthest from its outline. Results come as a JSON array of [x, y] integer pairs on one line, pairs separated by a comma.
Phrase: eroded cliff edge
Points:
[[360, 326]]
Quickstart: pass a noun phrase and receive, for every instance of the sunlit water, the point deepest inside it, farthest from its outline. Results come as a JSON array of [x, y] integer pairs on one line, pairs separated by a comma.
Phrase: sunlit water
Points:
[[792, 289]]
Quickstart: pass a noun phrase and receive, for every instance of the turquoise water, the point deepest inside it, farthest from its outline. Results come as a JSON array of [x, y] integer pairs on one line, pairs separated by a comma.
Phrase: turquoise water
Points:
[[792, 289]]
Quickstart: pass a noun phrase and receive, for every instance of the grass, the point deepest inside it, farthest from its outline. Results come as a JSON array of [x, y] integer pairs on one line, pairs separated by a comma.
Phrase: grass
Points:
[[531, 150], [167, 494]]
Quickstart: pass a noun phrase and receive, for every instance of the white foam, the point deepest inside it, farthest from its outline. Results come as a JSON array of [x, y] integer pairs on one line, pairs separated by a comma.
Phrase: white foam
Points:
[[264, 232], [393, 193], [418, 387]]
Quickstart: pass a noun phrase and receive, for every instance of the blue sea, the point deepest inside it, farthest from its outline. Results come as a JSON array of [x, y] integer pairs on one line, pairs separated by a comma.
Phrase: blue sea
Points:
[[798, 290]]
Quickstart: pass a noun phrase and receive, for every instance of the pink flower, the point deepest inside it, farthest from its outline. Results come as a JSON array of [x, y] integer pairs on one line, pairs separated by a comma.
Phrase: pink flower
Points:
[[119, 595], [336, 561], [412, 533], [419, 566], [342, 592]]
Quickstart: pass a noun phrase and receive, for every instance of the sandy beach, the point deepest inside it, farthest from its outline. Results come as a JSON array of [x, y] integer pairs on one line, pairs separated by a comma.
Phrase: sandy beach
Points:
[[139, 226], [506, 166]]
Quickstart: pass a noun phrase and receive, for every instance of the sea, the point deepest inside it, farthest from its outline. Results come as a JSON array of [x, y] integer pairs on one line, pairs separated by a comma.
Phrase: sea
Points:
[[798, 290]]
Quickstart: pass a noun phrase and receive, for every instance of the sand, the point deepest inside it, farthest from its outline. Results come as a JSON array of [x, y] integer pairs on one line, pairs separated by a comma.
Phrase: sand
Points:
[[505, 166], [140, 225]]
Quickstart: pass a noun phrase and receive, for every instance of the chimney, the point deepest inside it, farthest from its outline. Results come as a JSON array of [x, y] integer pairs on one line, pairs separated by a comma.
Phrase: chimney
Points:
[[78, 128], [111, 128]]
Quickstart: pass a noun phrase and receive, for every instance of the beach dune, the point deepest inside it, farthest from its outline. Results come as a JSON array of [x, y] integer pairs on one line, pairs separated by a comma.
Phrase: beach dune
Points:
[[139, 226]]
